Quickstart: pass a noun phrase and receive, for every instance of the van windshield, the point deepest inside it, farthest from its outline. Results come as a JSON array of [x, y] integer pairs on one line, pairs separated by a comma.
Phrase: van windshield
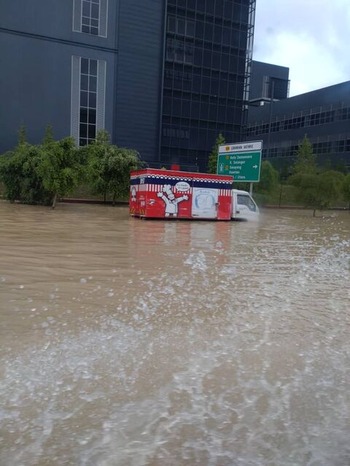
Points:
[[243, 199]]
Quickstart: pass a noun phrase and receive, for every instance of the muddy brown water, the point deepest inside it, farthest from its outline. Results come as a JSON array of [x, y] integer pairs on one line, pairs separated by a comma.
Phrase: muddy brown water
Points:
[[129, 342]]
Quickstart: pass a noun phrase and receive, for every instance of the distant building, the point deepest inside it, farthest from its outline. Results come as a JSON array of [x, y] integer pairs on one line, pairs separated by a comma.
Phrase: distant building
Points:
[[268, 82], [163, 77], [322, 115]]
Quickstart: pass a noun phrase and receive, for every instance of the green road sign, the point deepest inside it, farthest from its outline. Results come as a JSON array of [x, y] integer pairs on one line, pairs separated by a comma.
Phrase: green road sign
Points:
[[243, 166]]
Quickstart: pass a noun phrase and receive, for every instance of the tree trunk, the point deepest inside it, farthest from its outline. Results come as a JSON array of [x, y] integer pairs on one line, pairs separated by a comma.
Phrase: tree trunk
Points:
[[280, 198], [54, 201]]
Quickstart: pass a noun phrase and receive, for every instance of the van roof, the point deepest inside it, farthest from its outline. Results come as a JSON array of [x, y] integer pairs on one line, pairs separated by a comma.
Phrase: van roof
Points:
[[240, 191]]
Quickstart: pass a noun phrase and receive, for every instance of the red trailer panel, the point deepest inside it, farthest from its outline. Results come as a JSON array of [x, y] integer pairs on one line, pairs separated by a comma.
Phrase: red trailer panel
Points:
[[176, 194]]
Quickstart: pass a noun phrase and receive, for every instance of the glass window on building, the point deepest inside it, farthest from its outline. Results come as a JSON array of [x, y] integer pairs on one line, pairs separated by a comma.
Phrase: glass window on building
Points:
[[88, 98], [88, 90], [181, 26], [344, 113], [178, 51], [90, 17]]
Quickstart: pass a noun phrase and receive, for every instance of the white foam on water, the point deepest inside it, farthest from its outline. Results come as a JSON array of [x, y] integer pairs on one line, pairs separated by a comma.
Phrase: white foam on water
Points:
[[91, 399]]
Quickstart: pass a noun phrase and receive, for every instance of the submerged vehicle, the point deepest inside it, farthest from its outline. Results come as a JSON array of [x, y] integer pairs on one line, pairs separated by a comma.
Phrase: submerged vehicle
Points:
[[243, 206], [164, 194]]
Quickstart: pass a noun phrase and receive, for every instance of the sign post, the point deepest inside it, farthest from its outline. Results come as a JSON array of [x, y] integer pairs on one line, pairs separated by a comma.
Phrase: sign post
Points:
[[241, 160]]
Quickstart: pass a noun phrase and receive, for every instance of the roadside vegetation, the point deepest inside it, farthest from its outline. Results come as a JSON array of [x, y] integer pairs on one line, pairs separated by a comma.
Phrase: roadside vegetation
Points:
[[52, 170], [305, 184], [46, 172]]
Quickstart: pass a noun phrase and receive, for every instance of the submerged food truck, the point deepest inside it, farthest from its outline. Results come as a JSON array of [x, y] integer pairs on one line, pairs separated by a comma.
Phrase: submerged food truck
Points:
[[187, 195]]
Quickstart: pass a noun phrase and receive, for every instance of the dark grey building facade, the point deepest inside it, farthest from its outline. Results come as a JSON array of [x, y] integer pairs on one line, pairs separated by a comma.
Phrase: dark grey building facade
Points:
[[162, 76], [268, 82], [322, 115], [206, 70], [81, 66]]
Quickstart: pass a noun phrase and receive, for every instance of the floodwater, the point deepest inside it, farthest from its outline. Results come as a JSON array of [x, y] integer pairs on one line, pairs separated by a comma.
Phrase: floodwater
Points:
[[127, 342]]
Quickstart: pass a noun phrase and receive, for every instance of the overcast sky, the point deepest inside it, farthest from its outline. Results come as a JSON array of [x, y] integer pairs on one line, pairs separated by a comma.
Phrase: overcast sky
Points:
[[310, 37]]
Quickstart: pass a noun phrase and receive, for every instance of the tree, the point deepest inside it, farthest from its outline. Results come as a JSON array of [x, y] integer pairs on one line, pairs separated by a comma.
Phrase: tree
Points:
[[305, 158], [48, 137], [60, 166], [329, 188], [337, 177], [317, 191], [268, 178], [38, 174], [213, 156], [109, 167], [22, 135], [285, 172], [346, 188], [18, 172]]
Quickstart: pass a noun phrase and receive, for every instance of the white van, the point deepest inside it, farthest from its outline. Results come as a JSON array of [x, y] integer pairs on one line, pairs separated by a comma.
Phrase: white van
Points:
[[243, 206]]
